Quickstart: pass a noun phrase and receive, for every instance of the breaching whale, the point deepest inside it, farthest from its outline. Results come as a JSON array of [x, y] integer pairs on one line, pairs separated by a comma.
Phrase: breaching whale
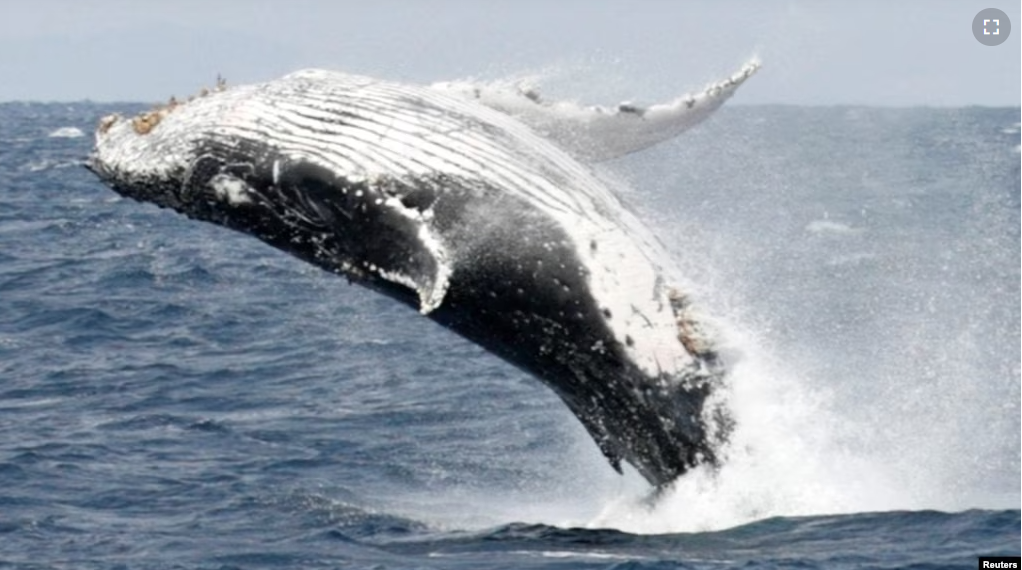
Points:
[[471, 205]]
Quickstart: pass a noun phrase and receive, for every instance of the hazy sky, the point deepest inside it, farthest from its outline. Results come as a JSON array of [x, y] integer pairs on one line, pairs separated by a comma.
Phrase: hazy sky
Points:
[[884, 52]]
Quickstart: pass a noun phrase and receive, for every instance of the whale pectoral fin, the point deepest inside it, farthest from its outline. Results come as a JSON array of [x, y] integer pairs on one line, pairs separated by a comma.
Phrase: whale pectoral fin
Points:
[[359, 228], [598, 133], [429, 281], [427, 268]]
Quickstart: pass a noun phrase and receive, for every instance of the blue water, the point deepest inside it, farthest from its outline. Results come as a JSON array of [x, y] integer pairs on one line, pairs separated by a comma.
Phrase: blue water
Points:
[[173, 395]]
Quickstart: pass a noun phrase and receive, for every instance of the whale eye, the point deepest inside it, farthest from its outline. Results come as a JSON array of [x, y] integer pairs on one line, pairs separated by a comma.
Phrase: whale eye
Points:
[[199, 175]]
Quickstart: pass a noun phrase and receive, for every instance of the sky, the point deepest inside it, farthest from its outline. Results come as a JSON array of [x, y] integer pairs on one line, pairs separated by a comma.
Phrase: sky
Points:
[[814, 52]]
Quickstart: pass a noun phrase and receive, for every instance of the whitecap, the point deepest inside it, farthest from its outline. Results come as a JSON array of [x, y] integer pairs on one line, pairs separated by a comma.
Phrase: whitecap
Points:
[[851, 259], [67, 133], [47, 164], [830, 227]]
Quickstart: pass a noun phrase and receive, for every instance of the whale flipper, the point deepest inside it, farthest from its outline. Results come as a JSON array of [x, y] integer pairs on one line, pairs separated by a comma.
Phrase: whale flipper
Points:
[[287, 202], [594, 133]]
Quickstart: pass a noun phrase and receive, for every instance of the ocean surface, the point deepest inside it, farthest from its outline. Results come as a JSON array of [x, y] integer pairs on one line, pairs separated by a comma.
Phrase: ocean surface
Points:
[[175, 395]]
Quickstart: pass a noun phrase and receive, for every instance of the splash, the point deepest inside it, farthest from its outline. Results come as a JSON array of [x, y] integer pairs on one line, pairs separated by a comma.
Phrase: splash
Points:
[[888, 381], [785, 459]]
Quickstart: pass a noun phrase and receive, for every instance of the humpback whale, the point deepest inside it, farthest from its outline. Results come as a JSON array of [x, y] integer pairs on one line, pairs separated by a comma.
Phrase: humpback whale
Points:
[[472, 205]]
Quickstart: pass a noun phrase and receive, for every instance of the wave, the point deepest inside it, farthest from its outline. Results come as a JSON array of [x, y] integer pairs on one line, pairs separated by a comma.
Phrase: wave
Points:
[[806, 542], [66, 133], [826, 226], [48, 164]]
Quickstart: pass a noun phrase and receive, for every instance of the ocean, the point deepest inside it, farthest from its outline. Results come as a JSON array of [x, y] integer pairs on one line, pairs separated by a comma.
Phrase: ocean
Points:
[[175, 395]]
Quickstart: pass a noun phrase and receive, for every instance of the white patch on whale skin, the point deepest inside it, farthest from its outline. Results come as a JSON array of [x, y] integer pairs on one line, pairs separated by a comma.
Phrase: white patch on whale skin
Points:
[[231, 189], [430, 299]]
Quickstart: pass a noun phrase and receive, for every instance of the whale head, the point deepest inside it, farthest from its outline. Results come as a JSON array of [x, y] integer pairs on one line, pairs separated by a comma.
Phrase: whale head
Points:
[[159, 157], [137, 166]]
